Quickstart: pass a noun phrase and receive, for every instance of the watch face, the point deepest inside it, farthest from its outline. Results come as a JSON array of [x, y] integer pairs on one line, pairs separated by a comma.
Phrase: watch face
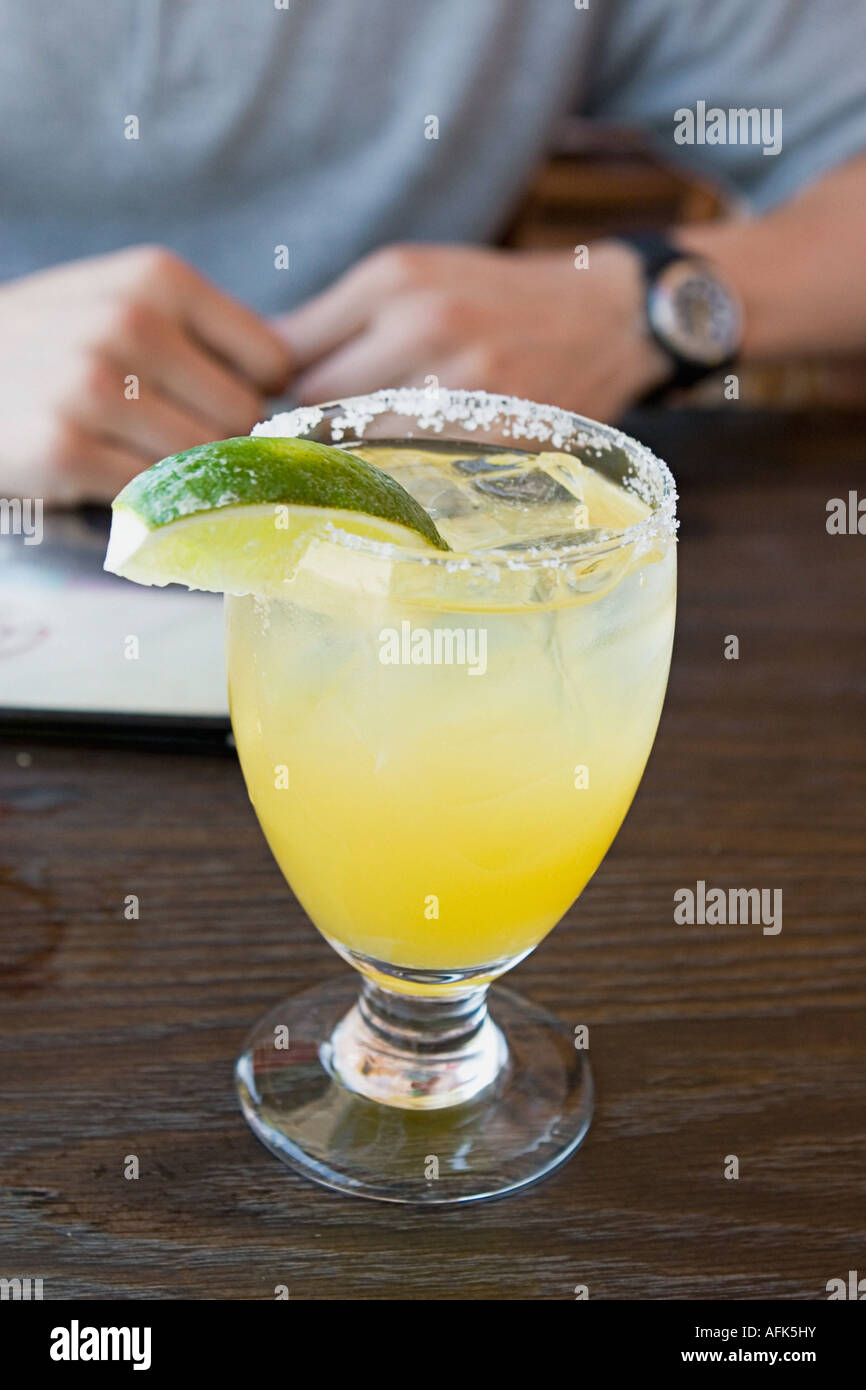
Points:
[[694, 313]]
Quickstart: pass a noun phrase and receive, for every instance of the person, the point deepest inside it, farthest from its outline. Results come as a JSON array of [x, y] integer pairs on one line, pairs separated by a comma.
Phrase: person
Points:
[[205, 205]]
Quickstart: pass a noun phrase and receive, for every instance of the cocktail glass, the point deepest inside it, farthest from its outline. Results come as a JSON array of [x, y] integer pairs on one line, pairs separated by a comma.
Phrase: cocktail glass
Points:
[[438, 801]]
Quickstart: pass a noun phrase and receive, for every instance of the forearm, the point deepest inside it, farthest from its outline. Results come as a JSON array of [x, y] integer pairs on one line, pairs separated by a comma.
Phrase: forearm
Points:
[[799, 269]]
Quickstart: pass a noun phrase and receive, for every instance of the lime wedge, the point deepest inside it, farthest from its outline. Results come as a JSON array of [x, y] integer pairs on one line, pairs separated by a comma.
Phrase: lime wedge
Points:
[[237, 515]]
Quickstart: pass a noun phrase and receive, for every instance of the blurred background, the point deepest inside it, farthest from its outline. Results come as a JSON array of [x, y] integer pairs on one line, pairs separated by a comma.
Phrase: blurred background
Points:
[[604, 179]]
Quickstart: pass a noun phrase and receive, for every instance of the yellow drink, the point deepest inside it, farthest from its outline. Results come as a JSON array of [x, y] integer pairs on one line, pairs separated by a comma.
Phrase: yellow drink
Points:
[[440, 753]]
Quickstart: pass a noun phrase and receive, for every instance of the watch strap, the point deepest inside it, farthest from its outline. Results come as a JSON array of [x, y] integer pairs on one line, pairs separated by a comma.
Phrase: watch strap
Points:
[[656, 251]]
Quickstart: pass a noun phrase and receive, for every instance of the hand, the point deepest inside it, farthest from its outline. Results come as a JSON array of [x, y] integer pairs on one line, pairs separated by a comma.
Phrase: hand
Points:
[[72, 336], [521, 323]]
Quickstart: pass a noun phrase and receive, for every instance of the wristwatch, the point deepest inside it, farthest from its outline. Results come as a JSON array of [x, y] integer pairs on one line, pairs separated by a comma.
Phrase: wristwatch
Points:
[[691, 310]]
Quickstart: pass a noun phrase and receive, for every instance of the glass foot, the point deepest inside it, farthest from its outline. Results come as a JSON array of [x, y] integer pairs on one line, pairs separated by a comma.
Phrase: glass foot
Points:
[[529, 1105]]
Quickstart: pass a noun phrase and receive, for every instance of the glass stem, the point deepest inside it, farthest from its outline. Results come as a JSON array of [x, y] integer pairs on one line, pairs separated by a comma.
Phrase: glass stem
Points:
[[422, 1024], [417, 1052]]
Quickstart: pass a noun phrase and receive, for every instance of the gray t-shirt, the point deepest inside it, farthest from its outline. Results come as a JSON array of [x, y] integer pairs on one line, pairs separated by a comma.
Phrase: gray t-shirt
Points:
[[310, 126]]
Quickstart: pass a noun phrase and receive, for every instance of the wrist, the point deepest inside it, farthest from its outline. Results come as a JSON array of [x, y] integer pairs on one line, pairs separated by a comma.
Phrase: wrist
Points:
[[645, 365], [692, 311]]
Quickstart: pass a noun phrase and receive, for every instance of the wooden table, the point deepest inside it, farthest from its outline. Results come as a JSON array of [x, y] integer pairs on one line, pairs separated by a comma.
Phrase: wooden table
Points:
[[118, 1037]]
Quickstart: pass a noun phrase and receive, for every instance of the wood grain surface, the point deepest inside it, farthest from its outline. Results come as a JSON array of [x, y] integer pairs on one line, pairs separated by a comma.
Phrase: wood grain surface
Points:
[[119, 1037]]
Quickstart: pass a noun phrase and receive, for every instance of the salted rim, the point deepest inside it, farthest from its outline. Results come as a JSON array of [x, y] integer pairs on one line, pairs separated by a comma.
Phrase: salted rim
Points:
[[514, 418]]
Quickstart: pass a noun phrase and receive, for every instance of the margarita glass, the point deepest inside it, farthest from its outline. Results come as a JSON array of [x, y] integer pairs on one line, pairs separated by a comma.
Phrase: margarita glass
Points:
[[440, 748]]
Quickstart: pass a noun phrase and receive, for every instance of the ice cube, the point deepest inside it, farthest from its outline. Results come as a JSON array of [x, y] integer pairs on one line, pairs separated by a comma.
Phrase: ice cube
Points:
[[565, 470], [480, 465], [534, 488], [439, 496], [557, 541]]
